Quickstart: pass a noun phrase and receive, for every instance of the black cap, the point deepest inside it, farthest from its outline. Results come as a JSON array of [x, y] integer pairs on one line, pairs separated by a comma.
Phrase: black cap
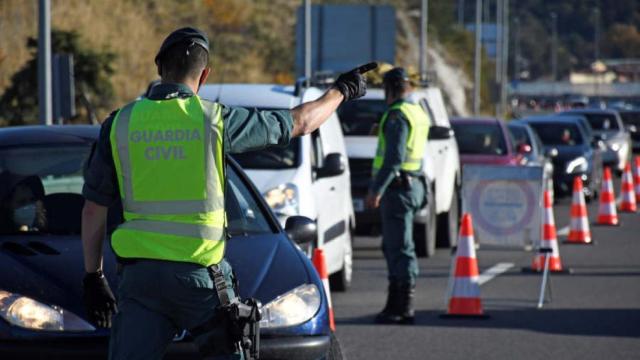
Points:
[[184, 35], [396, 74]]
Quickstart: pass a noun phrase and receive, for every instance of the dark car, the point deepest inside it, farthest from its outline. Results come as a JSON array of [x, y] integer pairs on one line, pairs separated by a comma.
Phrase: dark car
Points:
[[608, 126], [41, 311], [530, 145], [485, 141], [631, 120], [575, 154]]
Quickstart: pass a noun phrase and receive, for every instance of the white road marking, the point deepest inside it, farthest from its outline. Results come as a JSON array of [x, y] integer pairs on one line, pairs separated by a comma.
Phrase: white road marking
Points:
[[494, 271], [563, 232]]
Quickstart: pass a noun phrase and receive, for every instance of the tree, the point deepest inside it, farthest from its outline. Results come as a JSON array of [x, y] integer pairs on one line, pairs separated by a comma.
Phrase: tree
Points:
[[92, 71]]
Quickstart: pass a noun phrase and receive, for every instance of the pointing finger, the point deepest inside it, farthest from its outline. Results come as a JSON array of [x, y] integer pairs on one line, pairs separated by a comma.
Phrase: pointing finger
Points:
[[366, 67]]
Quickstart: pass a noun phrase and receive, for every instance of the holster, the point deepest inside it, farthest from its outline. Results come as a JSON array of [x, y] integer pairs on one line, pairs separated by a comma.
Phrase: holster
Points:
[[235, 325]]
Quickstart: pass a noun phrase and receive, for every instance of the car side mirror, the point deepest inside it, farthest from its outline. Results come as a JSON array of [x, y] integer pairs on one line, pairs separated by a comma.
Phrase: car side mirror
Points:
[[301, 230], [333, 166], [631, 128], [440, 133], [553, 152], [524, 148]]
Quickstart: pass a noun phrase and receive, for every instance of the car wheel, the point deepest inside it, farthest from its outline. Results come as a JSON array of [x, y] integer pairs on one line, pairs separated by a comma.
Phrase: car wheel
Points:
[[448, 223], [335, 349], [424, 235], [341, 280]]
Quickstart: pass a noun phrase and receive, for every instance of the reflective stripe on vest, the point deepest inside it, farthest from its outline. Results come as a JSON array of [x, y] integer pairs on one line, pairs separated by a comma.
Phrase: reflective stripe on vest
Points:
[[169, 160], [419, 123]]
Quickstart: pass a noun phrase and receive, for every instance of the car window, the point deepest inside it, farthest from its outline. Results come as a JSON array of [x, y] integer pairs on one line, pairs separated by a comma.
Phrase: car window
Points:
[[603, 122], [40, 188], [244, 215], [480, 139], [317, 151], [361, 117], [519, 135], [631, 117], [558, 133]]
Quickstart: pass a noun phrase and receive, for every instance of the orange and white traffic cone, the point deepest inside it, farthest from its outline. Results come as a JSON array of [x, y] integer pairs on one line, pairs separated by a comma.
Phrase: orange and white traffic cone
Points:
[[636, 177], [320, 264], [628, 203], [549, 240], [464, 296], [607, 214], [579, 232]]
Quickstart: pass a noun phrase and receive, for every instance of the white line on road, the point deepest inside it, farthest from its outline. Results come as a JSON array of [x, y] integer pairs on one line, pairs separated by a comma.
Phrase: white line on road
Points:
[[563, 232], [494, 271]]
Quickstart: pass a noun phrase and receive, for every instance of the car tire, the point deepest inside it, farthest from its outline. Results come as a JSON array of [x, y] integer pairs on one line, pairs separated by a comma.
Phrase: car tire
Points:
[[335, 349], [424, 235], [341, 280], [448, 223]]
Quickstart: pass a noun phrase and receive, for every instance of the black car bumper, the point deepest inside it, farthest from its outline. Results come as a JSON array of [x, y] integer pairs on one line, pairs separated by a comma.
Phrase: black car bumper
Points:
[[294, 348], [563, 183]]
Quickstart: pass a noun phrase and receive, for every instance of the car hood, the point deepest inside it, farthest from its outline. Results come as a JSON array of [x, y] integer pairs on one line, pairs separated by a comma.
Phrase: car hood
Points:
[[50, 268], [265, 180], [568, 153]]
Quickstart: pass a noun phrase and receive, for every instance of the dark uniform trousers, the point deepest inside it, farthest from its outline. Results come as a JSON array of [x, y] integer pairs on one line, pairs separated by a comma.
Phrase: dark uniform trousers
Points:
[[156, 301], [398, 208]]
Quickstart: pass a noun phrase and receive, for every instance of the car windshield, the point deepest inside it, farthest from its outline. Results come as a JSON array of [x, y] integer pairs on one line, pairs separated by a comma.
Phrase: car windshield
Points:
[[359, 118], [480, 139], [286, 157], [34, 179], [603, 122], [41, 192], [272, 158], [631, 117], [553, 134]]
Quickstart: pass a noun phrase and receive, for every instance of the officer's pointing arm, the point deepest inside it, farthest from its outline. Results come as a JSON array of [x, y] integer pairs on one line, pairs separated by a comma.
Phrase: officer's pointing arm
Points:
[[350, 85]]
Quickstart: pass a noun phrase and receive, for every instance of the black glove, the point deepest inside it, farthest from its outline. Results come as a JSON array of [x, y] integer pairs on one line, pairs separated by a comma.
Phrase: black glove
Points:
[[99, 301], [352, 84]]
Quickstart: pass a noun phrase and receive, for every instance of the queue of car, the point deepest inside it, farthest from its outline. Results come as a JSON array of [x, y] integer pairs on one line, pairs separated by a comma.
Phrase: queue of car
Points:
[[281, 204]]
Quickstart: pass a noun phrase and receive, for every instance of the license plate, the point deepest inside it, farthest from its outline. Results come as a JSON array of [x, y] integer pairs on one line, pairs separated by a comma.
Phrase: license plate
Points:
[[358, 205]]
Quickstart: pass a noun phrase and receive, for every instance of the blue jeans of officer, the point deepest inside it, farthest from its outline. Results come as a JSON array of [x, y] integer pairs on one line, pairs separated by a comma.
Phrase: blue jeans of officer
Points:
[[398, 208], [156, 301]]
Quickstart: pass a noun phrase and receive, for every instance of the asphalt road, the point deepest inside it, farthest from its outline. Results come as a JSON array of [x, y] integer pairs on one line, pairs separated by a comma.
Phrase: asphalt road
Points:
[[594, 312]]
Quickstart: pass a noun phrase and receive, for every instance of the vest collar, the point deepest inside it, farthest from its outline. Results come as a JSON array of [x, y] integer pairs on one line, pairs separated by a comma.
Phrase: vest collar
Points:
[[166, 91]]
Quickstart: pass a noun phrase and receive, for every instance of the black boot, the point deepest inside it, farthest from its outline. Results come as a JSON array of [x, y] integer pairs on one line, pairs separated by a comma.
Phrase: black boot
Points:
[[391, 305], [401, 309], [405, 303]]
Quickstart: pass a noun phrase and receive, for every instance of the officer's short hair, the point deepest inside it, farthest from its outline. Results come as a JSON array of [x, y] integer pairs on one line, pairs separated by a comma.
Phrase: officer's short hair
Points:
[[396, 81], [182, 61]]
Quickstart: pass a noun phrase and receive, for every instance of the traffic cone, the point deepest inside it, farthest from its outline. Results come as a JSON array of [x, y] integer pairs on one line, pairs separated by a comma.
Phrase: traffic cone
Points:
[[628, 203], [579, 232], [549, 239], [607, 214], [464, 299], [636, 178], [320, 264]]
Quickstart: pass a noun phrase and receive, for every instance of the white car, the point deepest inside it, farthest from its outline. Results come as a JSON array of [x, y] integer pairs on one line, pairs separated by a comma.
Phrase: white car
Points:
[[438, 222], [310, 177]]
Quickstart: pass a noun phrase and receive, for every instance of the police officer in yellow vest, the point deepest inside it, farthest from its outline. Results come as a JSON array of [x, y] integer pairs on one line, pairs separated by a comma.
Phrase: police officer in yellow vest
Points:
[[163, 157], [398, 189]]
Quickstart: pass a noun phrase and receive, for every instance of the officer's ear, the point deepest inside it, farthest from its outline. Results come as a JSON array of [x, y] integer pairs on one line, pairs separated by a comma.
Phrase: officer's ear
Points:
[[204, 75]]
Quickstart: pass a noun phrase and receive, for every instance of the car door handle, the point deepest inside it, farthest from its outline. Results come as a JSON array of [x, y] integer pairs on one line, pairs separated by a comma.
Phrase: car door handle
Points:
[[333, 188]]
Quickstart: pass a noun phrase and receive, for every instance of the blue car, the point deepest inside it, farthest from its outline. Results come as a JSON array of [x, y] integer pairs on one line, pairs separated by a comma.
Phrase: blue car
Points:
[[41, 262]]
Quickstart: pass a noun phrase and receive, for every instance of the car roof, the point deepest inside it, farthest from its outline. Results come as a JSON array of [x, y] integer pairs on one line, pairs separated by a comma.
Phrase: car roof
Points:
[[52, 134], [552, 118], [272, 96], [475, 120], [590, 111]]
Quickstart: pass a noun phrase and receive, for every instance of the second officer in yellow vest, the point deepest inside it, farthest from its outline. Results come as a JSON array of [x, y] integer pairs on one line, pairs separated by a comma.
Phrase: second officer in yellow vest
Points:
[[398, 189], [164, 157]]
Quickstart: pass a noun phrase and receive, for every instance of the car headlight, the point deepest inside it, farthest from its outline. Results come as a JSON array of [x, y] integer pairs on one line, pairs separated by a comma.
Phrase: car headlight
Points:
[[292, 308], [28, 313], [578, 164], [615, 146], [283, 199]]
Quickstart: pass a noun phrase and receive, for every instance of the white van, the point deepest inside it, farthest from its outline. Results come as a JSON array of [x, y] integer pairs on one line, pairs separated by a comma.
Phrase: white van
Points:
[[310, 177], [438, 222]]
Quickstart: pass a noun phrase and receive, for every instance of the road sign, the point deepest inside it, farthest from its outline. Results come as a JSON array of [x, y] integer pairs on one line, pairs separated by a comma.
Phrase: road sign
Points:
[[505, 202]]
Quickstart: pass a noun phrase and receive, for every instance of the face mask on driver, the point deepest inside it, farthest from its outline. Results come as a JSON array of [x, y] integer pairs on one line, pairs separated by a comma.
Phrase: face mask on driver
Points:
[[25, 215]]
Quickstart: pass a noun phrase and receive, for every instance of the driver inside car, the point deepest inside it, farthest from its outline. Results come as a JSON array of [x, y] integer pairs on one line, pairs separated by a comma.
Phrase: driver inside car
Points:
[[21, 206]]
